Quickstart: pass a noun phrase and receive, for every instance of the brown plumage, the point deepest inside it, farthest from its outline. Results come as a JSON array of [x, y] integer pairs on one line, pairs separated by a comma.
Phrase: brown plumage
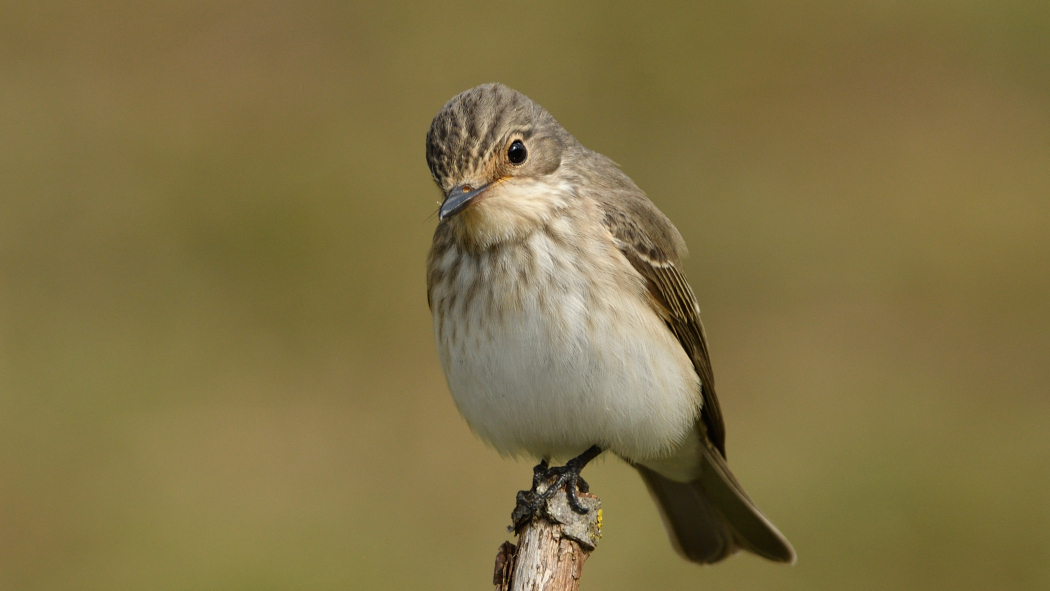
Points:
[[563, 318]]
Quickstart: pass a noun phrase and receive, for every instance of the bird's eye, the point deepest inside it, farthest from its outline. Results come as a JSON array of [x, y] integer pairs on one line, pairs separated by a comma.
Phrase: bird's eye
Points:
[[517, 152]]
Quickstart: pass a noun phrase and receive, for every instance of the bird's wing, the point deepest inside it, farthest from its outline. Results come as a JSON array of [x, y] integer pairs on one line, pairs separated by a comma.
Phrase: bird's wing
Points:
[[652, 245]]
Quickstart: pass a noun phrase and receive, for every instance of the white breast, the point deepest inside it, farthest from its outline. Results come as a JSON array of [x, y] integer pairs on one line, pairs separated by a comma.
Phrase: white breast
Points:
[[546, 359]]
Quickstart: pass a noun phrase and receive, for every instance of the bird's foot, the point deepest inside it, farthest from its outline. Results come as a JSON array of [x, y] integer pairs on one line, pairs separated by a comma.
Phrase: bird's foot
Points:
[[547, 481]]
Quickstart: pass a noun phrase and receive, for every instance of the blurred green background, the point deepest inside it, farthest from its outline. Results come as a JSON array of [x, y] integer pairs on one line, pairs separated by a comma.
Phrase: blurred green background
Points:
[[217, 369]]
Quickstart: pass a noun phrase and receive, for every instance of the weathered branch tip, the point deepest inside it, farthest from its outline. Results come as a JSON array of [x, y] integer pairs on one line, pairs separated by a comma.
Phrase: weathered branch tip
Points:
[[552, 547]]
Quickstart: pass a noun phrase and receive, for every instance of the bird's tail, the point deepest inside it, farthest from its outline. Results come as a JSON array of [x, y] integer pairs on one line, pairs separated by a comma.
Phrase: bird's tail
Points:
[[712, 518]]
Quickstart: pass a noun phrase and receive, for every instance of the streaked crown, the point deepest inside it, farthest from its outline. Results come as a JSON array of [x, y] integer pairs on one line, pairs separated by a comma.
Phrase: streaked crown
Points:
[[478, 125]]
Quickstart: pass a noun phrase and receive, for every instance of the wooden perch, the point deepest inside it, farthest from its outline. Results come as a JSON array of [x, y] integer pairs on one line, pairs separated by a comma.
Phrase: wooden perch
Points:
[[552, 547]]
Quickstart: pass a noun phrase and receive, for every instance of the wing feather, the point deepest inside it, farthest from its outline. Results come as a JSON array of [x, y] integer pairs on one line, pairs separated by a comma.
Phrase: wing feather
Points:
[[643, 241]]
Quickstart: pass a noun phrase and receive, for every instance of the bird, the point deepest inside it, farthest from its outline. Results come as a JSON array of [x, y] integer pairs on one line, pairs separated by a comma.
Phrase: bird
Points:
[[564, 323]]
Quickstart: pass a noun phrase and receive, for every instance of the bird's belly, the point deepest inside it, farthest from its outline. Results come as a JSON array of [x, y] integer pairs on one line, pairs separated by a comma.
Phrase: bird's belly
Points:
[[568, 366]]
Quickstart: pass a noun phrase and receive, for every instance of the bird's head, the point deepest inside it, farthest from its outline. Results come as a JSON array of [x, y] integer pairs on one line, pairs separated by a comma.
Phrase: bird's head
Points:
[[497, 156]]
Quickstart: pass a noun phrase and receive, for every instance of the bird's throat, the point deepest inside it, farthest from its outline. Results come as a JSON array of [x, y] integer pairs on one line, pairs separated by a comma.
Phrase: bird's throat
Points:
[[510, 212]]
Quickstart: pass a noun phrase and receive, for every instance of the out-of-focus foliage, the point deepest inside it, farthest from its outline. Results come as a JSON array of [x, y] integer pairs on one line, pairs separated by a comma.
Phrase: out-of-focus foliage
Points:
[[216, 360]]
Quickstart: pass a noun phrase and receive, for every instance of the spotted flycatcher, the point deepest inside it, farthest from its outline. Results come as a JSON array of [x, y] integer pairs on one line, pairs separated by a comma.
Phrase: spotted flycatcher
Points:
[[565, 325]]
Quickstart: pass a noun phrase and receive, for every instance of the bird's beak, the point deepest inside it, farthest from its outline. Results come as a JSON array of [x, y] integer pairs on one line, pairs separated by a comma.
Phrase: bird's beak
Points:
[[459, 198]]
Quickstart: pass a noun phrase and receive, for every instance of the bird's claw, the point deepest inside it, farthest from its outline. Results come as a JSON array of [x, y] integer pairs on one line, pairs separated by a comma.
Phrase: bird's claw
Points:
[[532, 501]]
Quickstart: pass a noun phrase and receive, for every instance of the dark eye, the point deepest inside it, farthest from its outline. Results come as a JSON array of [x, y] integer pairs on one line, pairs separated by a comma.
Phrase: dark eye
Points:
[[517, 153]]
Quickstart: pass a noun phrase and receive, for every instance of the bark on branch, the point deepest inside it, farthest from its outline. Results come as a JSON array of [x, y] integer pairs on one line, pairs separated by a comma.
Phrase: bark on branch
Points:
[[552, 547]]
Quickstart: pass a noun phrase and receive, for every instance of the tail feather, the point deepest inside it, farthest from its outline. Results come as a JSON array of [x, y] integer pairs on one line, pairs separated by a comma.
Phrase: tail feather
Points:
[[712, 518], [697, 530]]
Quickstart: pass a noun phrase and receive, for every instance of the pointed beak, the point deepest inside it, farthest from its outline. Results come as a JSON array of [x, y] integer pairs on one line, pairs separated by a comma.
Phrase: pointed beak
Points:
[[459, 198]]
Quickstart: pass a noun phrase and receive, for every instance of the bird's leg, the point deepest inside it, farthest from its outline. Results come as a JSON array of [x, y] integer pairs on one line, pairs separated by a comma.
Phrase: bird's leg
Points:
[[539, 473], [525, 506], [567, 476]]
